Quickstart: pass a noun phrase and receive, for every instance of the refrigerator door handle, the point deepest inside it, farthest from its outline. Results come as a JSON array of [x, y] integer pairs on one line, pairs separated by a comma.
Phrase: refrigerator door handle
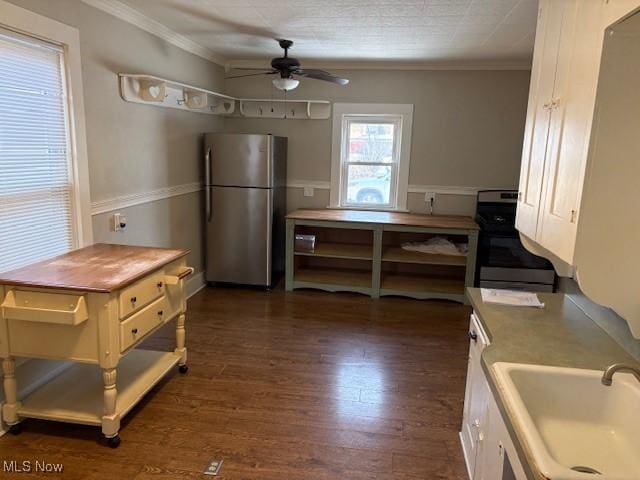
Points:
[[207, 183]]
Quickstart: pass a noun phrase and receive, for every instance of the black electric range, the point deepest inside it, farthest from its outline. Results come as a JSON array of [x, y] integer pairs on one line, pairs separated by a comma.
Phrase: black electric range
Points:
[[503, 262]]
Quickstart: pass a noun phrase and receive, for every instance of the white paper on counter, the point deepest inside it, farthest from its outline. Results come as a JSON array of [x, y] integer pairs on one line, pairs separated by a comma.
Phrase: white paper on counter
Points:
[[513, 298]]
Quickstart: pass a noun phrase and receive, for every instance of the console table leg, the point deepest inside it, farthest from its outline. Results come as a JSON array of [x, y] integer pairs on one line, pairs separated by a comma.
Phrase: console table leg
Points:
[[11, 404], [180, 342], [110, 419]]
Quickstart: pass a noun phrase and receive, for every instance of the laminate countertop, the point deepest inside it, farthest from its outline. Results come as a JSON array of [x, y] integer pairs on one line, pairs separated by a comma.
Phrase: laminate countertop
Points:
[[387, 218], [560, 334], [98, 268]]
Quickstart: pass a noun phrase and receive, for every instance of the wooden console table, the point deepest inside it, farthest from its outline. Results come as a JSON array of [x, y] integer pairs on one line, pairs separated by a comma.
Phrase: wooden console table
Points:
[[360, 251], [91, 306]]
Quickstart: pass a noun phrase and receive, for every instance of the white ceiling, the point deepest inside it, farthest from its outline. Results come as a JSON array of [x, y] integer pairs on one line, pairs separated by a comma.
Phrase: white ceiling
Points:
[[438, 32]]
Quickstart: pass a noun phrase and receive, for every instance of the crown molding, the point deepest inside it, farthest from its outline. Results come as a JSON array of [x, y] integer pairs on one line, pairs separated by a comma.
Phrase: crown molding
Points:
[[134, 17], [260, 64], [125, 201]]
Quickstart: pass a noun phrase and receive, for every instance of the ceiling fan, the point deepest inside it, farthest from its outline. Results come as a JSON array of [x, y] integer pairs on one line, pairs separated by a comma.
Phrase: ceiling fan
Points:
[[288, 67]]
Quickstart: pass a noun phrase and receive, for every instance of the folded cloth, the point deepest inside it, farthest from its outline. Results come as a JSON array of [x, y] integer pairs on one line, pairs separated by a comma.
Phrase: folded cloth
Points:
[[437, 245]]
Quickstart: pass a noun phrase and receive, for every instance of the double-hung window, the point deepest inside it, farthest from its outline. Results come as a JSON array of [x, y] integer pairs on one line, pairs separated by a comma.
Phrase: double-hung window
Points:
[[371, 151], [40, 196]]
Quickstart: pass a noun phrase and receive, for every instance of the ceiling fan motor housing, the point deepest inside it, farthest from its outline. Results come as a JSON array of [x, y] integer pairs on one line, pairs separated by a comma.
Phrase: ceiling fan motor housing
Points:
[[285, 65]]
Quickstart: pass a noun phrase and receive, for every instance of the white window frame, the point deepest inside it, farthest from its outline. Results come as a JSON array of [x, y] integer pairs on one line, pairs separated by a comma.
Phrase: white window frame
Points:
[[31, 24], [343, 115]]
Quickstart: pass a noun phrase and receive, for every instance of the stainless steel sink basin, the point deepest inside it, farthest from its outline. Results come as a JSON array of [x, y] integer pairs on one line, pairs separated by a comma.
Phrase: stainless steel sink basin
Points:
[[575, 427]]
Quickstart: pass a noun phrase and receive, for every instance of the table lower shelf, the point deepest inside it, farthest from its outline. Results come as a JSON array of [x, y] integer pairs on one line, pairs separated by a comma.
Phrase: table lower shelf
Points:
[[398, 284], [418, 286], [76, 395]]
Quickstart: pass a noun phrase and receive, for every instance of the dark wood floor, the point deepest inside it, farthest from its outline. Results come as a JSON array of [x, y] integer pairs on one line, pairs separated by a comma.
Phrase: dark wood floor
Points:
[[287, 386]]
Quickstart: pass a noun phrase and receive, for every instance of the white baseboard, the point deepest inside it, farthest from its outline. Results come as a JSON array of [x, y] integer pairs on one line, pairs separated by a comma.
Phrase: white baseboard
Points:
[[196, 283]]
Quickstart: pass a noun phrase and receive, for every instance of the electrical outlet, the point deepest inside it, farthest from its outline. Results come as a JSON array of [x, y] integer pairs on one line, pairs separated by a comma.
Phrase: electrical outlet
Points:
[[430, 197], [308, 191], [119, 222]]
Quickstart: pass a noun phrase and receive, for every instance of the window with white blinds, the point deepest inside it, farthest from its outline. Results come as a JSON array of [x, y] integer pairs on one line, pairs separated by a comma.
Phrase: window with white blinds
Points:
[[36, 194]]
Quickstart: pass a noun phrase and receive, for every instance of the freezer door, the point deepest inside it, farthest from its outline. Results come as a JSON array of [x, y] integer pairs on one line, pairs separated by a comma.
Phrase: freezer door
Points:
[[239, 236], [239, 160]]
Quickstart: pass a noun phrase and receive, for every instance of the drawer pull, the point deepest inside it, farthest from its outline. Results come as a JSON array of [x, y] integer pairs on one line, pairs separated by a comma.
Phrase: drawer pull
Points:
[[134, 299], [134, 331], [174, 279], [160, 313], [473, 336], [159, 284]]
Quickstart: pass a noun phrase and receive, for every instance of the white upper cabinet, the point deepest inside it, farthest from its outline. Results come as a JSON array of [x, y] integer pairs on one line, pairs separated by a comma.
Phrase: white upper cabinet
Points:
[[545, 58], [561, 103]]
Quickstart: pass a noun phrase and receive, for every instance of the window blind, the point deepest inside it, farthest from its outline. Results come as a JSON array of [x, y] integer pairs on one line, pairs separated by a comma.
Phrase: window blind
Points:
[[36, 212]]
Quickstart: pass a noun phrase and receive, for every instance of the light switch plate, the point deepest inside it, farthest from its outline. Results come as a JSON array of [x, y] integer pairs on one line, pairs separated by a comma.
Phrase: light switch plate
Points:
[[308, 191]]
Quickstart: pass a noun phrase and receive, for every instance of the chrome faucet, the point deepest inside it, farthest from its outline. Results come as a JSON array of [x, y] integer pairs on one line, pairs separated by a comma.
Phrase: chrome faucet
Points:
[[607, 376]]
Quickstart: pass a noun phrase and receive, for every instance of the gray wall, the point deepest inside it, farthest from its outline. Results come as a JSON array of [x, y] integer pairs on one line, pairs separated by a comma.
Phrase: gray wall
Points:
[[137, 148], [467, 130]]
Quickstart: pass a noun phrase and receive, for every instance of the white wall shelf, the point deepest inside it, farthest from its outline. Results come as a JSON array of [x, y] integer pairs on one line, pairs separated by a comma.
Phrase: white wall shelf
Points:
[[290, 109], [160, 92]]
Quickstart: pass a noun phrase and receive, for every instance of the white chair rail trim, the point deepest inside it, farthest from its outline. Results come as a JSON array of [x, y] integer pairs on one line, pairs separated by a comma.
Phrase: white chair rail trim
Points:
[[130, 200]]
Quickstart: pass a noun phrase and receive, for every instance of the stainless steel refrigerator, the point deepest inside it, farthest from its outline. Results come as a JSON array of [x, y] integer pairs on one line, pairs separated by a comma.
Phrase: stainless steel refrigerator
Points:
[[245, 205]]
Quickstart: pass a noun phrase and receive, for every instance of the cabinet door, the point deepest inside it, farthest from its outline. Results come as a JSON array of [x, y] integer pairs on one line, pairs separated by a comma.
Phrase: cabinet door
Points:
[[571, 118], [488, 465], [545, 58], [501, 459], [475, 399]]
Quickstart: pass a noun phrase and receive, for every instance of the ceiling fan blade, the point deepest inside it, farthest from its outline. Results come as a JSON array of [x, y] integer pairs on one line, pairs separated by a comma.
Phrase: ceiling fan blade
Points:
[[252, 75], [321, 75], [248, 68]]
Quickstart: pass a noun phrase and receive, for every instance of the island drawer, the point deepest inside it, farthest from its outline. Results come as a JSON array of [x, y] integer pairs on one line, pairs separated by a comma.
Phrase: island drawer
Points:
[[141, 293], [138, 325]]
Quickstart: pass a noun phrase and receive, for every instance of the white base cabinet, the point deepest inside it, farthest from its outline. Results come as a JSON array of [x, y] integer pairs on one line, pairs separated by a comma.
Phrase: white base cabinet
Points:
[[488, 450]]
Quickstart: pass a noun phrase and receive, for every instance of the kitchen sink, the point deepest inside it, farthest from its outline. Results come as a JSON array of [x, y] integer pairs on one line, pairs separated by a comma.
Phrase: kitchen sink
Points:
[[575, 427]]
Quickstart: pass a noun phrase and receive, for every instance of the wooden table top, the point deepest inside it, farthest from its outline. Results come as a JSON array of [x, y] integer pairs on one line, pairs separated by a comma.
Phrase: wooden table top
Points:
[[98, 268], [389, 218]]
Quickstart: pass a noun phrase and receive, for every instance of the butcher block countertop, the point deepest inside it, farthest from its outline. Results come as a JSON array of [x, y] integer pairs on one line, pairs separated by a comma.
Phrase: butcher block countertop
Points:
[[98, 268], [388, 218]]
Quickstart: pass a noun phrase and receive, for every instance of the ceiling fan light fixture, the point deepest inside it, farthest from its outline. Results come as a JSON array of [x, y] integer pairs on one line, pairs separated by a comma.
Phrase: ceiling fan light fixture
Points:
[[285, 84]]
